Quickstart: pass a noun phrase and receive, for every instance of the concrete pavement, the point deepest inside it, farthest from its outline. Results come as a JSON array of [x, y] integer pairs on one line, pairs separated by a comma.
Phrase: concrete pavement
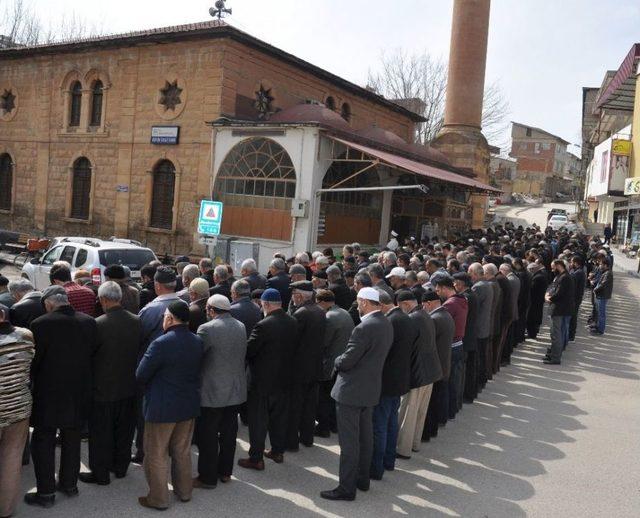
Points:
[[541, 441]]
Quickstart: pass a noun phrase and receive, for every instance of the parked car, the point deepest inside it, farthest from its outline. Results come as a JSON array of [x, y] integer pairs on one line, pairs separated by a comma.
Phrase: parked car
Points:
[[93, 255], [559, 221]]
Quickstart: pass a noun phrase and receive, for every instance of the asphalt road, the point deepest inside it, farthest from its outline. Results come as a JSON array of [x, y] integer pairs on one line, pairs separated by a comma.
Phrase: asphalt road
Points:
[[528, 214]]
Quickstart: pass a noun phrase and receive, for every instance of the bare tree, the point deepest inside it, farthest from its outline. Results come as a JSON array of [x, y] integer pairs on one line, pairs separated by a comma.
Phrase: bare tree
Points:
[[21, 25], [422, 77]]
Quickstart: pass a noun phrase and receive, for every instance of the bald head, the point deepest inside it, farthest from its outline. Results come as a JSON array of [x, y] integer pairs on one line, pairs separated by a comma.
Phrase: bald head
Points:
[[476, 272]]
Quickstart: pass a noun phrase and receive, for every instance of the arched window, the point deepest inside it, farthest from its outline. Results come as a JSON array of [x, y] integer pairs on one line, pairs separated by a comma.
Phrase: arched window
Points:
[[81, 189], [330, 103], [345, 112], [76, 103], [162, 195], [6, 181], [96, 103], [257, 174]]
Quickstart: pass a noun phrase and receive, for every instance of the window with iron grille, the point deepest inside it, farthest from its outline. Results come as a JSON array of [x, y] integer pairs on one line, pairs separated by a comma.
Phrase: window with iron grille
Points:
[[96, 103], [345, 112], [162, 195], [76, 103], [6, 181], [81, 189]]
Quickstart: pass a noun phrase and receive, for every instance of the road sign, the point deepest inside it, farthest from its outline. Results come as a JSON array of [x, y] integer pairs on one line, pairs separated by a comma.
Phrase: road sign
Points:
[[208, 240], [210, 217]]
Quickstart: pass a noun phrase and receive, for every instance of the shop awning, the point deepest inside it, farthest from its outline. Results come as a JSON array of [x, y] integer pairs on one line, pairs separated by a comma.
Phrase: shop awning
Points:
[[620, 93], [419, 168]]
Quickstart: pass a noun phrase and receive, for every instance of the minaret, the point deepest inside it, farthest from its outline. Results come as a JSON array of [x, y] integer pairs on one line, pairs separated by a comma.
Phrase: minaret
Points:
[[461, 138]]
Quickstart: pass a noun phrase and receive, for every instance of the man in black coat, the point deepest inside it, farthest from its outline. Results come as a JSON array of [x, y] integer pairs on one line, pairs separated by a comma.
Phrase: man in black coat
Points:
[[28, 305], [306, 366], [249, 272], [524, 299], [395, 384], [462, 282], [539, 283], [269, 357], [344, 296], [61, 374], [579, 282], [206, 271], [242, 308], [506, 318], [425, 371], [113, 413], [561, 298], [221, 286]]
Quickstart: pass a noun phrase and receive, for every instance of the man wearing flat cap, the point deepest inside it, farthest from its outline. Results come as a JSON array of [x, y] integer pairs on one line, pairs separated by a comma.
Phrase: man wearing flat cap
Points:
[[170, 373], [61, 374], [151, 319], [306, 366], [222, 391], [356, 391], [269, 357]]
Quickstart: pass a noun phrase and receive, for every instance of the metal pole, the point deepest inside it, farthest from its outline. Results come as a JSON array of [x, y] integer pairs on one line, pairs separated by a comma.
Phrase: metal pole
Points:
[[421, 187]]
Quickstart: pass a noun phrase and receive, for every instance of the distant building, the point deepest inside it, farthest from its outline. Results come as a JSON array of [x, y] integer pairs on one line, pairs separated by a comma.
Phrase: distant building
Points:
[[502, 174], [544, 164]]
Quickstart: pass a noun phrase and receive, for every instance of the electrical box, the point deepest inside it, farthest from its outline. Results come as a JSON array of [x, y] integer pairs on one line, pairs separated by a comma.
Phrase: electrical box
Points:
[[299, 208]]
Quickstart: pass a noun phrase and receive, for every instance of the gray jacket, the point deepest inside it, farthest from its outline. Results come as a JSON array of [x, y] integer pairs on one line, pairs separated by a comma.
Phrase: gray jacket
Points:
[[223, 377], [484, 292], [359, 368], [336, 336]]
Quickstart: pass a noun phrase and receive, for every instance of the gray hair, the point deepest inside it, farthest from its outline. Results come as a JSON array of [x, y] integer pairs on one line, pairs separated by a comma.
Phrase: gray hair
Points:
[[58, 300], [306, 295], [422, 277], [391, 256], [363, 278], [221, 272], [297, 269], [302, 257], [20, 287], [476, 269], [385, 298], [249, 265], [411, 276], [241, 288], [490, 270], [190, 271], [200, 287], [356, 247], [334, 273], [278, 264], [321, 259], [206, 262], [505, 268], [375, 270], [111, 291]]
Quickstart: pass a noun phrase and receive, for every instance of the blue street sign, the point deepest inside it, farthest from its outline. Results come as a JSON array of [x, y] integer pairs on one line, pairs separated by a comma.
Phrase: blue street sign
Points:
[[210, 218]]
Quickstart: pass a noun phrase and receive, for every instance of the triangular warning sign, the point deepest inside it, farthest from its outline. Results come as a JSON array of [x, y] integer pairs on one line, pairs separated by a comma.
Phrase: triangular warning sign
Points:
[[211, 213]]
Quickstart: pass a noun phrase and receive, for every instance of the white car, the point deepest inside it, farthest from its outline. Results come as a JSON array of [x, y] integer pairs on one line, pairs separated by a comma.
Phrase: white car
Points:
[[560, 221], [93, 255]]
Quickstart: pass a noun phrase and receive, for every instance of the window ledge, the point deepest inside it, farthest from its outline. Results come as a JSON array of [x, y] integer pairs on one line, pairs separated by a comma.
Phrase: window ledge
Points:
[[6, 211], [77, 220], [83, 133], [160, 230]]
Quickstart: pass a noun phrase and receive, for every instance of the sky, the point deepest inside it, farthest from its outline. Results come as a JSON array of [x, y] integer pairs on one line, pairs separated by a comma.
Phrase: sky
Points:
[[542, 52]]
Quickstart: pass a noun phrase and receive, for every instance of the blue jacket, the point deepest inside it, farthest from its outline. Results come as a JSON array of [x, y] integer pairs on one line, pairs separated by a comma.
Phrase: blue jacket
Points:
[[170, 372]]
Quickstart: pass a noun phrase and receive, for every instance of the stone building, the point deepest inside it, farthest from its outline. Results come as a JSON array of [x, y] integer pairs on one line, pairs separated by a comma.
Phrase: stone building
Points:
[[109, 136]]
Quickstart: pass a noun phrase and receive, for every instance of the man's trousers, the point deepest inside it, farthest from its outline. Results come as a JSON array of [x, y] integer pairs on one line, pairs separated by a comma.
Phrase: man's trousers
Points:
[[326, 410], [267, 413], [355, 436], [385, 435], [412, 415], [438, 409], [43, 452], [217, 433], [12, 439], [456, 381], [303, 401], [111, 428], [161, 442]]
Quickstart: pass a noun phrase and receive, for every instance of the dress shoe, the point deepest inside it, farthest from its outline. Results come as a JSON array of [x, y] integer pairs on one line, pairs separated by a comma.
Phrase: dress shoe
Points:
[[137, 459], [325, 434], [595, 332], [364, 486], [258, 465], [68, 491], [338, 494], [90, 478], [120, 474], [403, 457], [549, 361], [197, 483], [278, 458], [144, 502], [307, 444], [225, 479], [39, 500]]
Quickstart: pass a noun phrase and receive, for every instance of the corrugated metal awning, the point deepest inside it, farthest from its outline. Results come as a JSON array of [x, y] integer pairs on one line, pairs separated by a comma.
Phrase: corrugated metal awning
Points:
[[621, 91]]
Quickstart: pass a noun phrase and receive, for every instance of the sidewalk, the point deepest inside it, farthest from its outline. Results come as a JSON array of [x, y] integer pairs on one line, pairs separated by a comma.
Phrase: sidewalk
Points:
[[622, 263]]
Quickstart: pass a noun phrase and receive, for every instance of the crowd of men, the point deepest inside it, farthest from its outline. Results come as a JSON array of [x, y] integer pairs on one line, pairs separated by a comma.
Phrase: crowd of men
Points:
[[382, 349]]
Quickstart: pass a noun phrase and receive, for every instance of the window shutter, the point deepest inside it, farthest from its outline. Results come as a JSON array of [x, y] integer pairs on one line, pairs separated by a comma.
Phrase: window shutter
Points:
[[6, 181], [164, 179], [81, 189], [76, 103], [96, 103]]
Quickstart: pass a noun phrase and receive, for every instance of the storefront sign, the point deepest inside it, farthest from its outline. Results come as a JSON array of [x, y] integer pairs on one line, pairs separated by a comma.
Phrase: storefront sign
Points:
[[621, 147], [632, 186], [165, 134]]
